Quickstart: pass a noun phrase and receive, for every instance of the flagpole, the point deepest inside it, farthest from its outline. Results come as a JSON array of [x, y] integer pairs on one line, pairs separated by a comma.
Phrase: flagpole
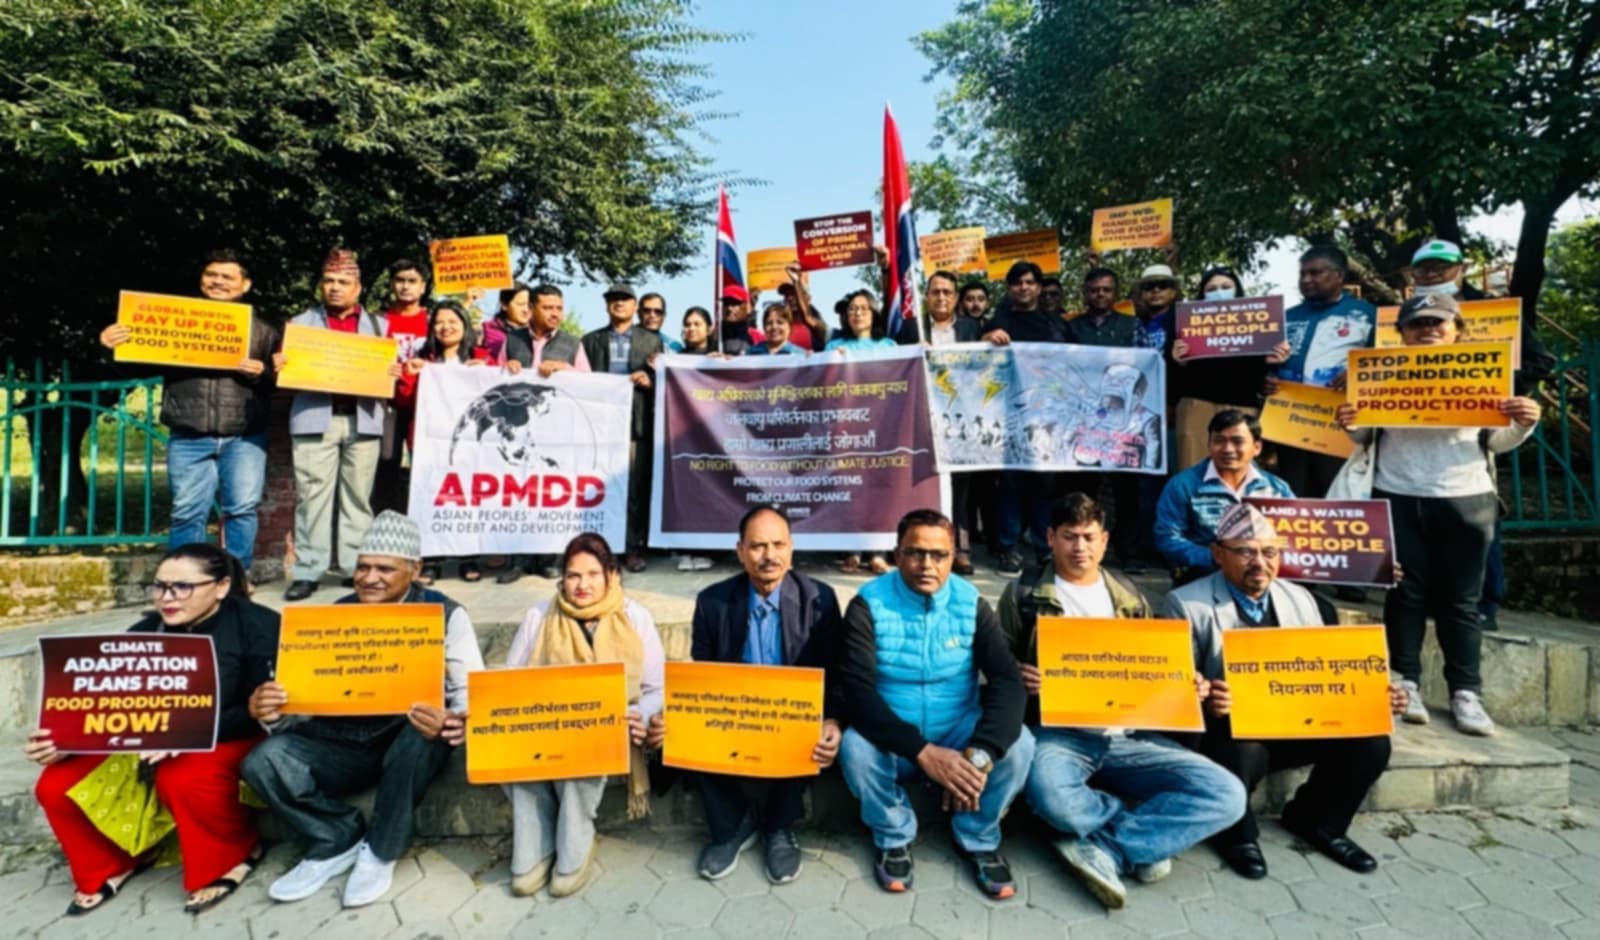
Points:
[[714, 341]]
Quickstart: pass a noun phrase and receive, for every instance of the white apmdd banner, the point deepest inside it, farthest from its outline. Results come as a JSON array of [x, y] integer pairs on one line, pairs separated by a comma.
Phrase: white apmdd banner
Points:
[[518, 464]]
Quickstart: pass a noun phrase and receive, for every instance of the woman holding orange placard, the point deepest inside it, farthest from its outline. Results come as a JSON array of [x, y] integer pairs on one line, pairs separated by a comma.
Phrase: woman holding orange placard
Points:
[[588, 621]]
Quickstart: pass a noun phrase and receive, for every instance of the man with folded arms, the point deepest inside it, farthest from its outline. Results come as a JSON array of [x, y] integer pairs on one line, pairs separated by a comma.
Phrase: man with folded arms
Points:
[[1244, 594], [307, 764], [1081, 777]]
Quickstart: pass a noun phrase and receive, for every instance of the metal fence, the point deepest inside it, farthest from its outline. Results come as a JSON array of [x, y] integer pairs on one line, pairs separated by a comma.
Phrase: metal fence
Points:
[[1552, 483]]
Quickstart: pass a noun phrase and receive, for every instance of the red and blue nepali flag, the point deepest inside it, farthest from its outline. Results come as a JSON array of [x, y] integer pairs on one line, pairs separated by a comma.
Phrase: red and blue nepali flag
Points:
[[730, 276], [899, 234]]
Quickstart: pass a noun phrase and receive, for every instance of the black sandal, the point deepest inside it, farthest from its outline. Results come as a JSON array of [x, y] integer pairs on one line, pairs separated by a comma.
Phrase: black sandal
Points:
[[228, 885], [470, 572], [108, 890], [429, 574]]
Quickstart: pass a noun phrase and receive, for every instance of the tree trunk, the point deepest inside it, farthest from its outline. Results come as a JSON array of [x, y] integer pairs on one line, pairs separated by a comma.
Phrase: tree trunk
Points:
[[1527, 272]]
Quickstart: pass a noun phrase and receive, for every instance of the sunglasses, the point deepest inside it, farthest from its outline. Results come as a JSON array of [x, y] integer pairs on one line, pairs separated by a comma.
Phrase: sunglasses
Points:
[[658, 311]]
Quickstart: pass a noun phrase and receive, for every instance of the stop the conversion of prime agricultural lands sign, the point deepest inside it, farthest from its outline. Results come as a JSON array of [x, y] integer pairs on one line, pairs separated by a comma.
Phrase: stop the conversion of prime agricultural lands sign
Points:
[[1247, 326], [129, 692], [361, 659], [460, 264], [1139, 225], [1458, 386], [1333, 541], [183, 331], [749, 721], [834, 241], [547, 723], [1117, 674], [1308, 682]]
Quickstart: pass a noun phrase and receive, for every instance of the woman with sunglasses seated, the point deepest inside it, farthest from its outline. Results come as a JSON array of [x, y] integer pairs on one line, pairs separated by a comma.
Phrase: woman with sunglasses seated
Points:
[[198, 589]]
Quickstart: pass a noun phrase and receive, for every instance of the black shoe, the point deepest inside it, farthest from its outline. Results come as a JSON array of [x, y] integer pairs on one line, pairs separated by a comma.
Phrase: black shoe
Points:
[[1487, 621], [1010, 563], [993, 874], [893, 869], [719, 859], [783, 856], [1339, 848], [509, 575], [549, 566], [1245, 859], [348, 582], [299, 590], [1134, 566]]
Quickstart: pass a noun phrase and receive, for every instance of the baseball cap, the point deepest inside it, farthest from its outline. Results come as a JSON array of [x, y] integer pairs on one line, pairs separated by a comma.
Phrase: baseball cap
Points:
[[621, 289], [1437, 249], [736, 292], [1441, 306]]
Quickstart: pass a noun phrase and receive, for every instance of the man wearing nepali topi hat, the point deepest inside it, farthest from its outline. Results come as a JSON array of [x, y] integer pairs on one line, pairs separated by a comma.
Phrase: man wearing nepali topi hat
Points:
[[1245, 594]]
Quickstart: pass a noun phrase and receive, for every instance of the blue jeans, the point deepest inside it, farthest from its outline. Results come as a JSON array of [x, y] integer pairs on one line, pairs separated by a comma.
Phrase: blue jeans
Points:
[[1182, 798], [196, 464], [1022, 509], [874, 777]]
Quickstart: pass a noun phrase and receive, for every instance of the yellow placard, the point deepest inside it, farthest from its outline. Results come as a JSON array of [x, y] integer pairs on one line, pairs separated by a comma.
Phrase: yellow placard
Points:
[[1136, 674], [1308, 682], [1042, 247], [183, 331], [319, 360], [959, 251], [1458, 386], [764, 267], [1137, 225], [1303, 416], [748, 721], [361, 659], [460, 264], [1496, 320], [547, 723]]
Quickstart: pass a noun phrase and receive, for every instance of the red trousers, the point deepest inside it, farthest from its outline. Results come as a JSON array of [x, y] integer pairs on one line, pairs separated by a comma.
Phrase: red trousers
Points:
[[201, 790]]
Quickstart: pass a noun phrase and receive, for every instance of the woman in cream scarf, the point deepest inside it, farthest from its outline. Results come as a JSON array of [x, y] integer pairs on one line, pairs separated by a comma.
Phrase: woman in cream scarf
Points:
[[588, 621]]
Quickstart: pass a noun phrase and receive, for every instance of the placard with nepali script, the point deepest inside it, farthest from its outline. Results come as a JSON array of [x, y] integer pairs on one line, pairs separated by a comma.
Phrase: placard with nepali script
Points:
[[1245, 326], [1494, 320], [105, 693], [1042, 247], [834, 241], [361, 659], [959, 251], [460, 264], [1333, 541], [748, 721], [1303, 416], [1136, 674], [1308, 682], [1459, 386], [319, 360], [183, 331], [765, 267], [547, 723], [1137, 225]]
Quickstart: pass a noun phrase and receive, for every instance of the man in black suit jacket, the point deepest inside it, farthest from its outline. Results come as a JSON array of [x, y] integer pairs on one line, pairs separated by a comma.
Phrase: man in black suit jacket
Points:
[[622, 350], [772, 616]]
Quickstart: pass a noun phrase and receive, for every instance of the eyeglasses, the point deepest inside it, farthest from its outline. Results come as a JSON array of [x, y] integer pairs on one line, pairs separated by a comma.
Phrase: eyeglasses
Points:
[[1160, 287], [936, 555], [1251, 554], [180, 590], [1424, 323]]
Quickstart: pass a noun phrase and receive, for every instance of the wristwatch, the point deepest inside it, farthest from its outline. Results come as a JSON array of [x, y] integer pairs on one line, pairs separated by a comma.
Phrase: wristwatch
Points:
[[979, 758]]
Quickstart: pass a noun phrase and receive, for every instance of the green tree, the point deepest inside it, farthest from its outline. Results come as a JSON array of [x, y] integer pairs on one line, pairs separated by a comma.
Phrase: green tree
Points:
[[1572, 293]]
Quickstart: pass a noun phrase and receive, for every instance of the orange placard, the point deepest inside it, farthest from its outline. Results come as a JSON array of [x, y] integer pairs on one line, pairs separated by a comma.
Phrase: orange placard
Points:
[[1042, 247], [748, 721], [547, 723], [361, 659], [183, 331], [1496, 320], [319, 360], [764, 267], [460, 264], [959, 251], [1137, 225], [1459, 386], [1117, 674], [1308, 682], [1303, 416]]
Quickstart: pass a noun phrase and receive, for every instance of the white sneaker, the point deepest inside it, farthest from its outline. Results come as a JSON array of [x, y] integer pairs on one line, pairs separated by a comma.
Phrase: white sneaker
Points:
[[370, 879], [308, 877], [701, 562], [1467, 707], [1153, 872], [1416, 712], [1096, 870], [685, 562]]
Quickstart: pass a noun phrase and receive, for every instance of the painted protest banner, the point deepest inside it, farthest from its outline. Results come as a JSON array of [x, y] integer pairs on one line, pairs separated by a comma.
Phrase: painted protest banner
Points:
[[749, 721], [1303, 416], [518, 464], [461, 264], [958, 250], [1308, 682], [840, 442], [1459, 386], [1246, 326], [105, 693], [1117, 674], [319, 360], [1042, 247], [764, 267], [183, 331], [1494, 320], [1045, 406], [1137, 225], [1333, 541], [547, 723], [361, 659], [834, 241]]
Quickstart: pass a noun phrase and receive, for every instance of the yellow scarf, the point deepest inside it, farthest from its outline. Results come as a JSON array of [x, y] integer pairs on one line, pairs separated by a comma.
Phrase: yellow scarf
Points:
[[564, 642]]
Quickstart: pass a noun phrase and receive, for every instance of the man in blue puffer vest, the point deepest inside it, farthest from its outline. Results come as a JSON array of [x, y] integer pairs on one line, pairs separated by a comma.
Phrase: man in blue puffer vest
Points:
[[916, 640]]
